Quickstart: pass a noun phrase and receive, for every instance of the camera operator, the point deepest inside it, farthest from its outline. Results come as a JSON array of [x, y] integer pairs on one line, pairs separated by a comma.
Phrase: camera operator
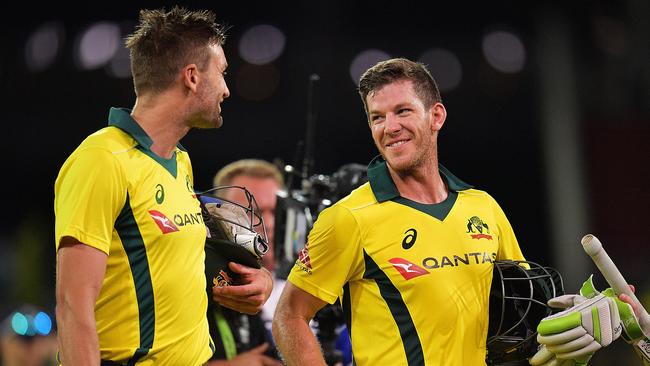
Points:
[[264, 180]]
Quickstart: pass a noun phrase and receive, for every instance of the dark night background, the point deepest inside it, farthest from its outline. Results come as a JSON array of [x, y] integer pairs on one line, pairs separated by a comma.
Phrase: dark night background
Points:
[[496, 136]]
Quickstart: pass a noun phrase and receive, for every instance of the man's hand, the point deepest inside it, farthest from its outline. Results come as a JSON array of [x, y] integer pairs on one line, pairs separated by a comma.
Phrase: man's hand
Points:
[[627, 299], [251, 290], [253, 357], [592, 320]]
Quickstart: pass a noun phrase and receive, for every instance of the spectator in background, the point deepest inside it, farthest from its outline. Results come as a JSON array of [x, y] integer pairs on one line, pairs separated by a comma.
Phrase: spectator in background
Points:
[[27, 338], [247, 339]]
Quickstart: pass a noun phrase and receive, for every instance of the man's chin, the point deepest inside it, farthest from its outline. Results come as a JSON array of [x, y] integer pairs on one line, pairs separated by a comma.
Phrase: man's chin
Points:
[[207, 125], [400, 166], [218, 122]]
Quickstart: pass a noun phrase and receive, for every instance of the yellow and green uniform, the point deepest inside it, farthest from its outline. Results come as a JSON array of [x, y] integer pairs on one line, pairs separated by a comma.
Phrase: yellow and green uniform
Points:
[[114, 194], [413, 279]]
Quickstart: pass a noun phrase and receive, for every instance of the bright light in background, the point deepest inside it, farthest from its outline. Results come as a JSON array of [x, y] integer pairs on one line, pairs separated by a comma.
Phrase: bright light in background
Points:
[[20, 324], [261, 44], [120, 65], [504, 51], [42, 323], [97, 45], [43, 46], [444, 66], [364, 60]]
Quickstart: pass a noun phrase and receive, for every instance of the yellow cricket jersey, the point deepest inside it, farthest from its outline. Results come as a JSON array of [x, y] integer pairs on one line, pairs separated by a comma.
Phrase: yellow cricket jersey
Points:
[[413, 279], [114, 194]]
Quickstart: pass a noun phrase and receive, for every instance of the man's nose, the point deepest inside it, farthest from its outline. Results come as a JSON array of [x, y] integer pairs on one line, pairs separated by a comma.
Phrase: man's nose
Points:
[[392, 123]]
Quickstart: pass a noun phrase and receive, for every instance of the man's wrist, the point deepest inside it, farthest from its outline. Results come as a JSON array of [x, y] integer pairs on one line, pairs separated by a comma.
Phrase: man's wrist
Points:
[[270, 282]]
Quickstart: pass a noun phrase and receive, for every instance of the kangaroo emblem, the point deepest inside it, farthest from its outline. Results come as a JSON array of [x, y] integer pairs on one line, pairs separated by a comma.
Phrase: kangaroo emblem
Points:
[[476, 223]]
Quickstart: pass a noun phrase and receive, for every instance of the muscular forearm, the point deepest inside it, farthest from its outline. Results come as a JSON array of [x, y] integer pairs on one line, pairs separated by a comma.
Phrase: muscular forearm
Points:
[[296, 342], [77, 335]]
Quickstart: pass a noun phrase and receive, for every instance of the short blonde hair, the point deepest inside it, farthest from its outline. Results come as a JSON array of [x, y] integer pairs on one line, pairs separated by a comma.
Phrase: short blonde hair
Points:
[[248, 167]]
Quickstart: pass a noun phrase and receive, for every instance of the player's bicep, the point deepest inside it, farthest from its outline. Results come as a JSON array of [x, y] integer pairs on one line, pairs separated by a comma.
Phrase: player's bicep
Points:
[[80, 273], [297, 303]]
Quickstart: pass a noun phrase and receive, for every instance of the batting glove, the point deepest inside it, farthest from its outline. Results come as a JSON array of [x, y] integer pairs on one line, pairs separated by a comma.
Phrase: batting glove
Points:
[[594, 321]]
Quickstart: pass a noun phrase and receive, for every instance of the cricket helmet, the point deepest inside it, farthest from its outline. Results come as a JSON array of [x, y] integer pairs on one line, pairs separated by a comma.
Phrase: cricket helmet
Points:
[[235, 233], [518, 302]]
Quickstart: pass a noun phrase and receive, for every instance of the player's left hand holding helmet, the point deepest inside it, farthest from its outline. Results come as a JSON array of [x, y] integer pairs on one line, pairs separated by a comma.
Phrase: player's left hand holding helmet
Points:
[[592, 320], [235, 233], [518, 302]]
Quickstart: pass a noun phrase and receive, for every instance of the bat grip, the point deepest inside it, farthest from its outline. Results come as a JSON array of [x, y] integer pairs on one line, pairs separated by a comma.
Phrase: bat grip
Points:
[[613, 276]]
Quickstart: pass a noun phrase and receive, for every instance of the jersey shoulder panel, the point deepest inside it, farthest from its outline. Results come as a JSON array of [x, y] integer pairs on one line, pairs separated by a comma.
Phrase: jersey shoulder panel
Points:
[[109, 138], [359, 198]]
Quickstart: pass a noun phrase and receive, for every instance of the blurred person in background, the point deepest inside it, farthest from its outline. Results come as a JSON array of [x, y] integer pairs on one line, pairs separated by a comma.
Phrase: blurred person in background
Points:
[[27, 338], [263, 179], [130, 238], [244, 339]]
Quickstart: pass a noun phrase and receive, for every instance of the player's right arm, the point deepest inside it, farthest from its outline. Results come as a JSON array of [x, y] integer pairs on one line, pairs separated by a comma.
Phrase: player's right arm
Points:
[[79, 276], [90, 192], [331, 258], [291, 331]]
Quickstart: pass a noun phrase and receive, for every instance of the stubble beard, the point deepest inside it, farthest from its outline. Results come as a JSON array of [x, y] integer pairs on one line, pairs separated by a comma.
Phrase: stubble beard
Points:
[[206, 116], [421, 158]]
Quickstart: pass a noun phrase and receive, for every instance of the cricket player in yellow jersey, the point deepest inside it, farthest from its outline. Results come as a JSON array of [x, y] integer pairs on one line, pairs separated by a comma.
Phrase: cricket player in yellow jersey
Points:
[[130, 237], [410, 254]]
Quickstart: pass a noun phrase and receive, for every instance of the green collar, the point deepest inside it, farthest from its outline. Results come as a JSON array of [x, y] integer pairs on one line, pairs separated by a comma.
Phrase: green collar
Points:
[[384, 188], [121, 118]]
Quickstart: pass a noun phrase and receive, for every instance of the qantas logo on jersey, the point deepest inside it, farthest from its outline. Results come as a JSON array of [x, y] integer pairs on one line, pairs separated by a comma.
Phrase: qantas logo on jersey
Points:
[[410, 270], [458, 260], [407, 269], [475, 223], [168, 226], [165, 224]]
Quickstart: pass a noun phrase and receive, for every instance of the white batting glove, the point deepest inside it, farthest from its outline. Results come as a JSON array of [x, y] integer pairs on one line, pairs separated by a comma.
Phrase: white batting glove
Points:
[[544, 357], [595, 321]]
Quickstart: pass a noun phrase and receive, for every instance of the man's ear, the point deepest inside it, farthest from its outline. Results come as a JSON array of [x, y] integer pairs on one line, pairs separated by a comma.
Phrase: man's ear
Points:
[[190, 77], [438, 115]]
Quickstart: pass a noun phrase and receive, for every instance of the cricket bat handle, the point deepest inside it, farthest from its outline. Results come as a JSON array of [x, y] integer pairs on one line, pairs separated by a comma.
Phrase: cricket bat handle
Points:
[[613, 276]]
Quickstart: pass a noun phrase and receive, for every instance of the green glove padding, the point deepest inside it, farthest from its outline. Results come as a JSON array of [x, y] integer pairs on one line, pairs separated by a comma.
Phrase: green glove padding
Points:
[[592, 320]]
